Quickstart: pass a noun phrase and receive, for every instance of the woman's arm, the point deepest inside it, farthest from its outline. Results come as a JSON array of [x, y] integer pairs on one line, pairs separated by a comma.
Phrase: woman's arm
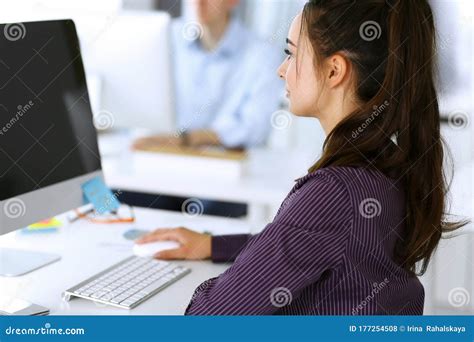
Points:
[[303, 242], [197, 246], [270, 272], [225, 248]]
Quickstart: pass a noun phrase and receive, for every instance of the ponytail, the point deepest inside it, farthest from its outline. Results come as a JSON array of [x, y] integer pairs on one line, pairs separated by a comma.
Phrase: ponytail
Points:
[[395, 81]]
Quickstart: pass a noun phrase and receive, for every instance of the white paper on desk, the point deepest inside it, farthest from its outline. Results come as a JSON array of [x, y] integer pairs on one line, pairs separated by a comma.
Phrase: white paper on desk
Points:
[[117, 246], [17, 306]]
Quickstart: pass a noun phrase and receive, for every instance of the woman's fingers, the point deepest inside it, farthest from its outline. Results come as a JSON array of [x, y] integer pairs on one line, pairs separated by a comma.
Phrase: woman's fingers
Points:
[[163, 234], [171, 254], [157, 235], [194, 246]]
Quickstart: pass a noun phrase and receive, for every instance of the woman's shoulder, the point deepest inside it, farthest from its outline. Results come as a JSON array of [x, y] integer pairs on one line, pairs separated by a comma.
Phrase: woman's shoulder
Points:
[[355, 181], [329, 194], [315, 197], [344, 175]]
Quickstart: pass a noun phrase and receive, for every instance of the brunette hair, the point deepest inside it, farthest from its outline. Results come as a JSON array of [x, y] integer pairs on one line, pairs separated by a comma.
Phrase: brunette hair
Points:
[[391, 48]]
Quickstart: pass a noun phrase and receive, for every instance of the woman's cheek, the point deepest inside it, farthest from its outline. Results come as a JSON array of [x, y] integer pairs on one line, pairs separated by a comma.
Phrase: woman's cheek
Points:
[[291, 77]]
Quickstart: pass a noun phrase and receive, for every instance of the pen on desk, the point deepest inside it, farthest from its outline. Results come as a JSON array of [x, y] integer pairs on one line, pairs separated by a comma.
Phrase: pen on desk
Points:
[[77, 214]]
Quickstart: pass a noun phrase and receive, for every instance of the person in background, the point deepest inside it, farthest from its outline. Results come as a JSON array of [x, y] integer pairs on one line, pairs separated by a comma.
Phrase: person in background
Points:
[[225, 91]]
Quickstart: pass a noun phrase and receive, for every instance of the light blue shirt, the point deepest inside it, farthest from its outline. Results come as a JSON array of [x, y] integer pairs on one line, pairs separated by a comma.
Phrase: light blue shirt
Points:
[[233, 90]]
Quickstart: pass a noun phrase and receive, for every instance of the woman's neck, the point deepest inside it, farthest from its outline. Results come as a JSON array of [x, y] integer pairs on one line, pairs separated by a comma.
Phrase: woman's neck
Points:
[[213, 33], [336, 112]]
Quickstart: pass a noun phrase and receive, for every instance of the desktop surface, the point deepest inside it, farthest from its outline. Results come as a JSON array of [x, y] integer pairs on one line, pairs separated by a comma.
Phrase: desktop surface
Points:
[[87, 248]]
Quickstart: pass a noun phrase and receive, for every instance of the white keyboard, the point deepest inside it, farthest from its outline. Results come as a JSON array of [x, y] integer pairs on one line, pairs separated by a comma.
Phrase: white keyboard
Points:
[[128, 283]]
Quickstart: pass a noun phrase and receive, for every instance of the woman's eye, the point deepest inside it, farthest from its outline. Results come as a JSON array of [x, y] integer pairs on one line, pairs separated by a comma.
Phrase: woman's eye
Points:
[[288, 52]]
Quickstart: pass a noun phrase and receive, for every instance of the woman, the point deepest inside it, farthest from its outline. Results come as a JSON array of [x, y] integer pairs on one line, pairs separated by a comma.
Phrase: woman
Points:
[[354, 233]]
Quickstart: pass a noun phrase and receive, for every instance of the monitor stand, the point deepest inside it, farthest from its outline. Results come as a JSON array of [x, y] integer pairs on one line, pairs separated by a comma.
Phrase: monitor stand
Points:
[[16, 262]]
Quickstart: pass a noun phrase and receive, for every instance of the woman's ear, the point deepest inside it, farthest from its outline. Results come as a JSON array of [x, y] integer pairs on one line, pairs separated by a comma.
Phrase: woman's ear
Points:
[[337, 70]]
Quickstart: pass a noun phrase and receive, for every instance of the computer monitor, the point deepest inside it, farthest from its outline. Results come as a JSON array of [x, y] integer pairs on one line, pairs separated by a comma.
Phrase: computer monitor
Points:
[[131, 57], [48, 142]]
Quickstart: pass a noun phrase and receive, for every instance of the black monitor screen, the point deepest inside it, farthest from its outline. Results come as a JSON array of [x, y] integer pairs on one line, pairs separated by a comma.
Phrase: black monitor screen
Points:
[[46, 128]]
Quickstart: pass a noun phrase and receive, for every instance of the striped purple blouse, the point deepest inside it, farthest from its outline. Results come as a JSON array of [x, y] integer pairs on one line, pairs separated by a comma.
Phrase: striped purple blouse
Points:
[[328, 251]]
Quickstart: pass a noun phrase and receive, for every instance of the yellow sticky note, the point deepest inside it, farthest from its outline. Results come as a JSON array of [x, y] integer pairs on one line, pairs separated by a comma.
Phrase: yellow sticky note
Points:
[[53, 222]]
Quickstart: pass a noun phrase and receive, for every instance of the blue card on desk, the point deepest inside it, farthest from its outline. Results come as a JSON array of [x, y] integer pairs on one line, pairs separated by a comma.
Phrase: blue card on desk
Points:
[[134, 234], [96, 192]]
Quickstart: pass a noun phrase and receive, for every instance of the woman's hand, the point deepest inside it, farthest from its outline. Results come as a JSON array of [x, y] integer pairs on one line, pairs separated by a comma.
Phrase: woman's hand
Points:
[[194, 246]]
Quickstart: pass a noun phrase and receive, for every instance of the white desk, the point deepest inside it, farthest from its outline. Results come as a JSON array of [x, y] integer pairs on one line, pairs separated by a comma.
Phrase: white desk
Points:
[[88, 248], [270, 177]]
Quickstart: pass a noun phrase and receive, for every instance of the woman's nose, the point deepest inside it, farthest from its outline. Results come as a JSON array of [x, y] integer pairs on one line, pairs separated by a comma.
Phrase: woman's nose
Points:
[[282, 70]]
